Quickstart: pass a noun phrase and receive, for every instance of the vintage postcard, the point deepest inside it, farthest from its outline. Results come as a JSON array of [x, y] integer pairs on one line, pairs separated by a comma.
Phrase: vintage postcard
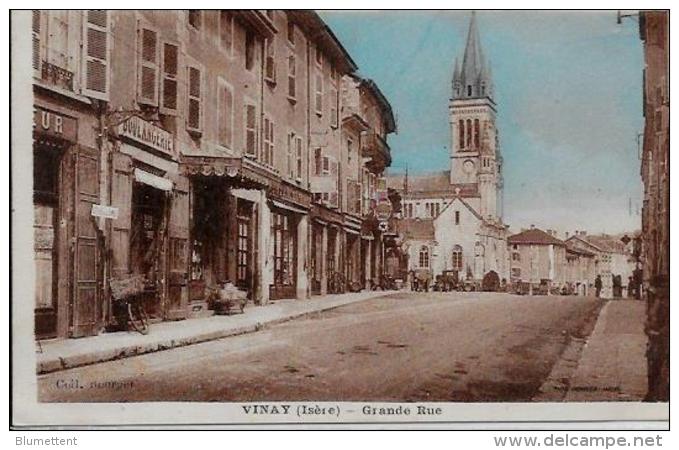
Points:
[[423, 219]]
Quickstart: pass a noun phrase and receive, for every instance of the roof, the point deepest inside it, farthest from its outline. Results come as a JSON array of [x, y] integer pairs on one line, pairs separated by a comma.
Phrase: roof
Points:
[[577, 251], [534, 236], [430, 184], [607, 243], [372, 87], [415, 228]]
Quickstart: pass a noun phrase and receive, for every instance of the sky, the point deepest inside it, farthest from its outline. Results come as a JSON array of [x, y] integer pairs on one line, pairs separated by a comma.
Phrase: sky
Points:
[[568, 86]]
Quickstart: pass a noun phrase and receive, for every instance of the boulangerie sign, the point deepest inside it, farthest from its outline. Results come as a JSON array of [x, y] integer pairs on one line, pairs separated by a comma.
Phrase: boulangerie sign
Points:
[[143, 132]]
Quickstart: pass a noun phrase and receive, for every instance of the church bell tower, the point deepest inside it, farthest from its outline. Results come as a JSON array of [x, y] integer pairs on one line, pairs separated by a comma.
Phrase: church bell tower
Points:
[[475, 155]]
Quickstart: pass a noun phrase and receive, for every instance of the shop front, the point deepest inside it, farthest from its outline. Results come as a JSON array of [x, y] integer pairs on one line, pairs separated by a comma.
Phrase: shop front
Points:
[[149, 236], [226, 216], [352, 254], [66, 238], [325, 248], [289, 229]]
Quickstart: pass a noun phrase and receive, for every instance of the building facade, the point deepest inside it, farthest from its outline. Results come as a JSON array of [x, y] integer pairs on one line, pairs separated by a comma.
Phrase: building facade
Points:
[[655, 174], [196, 148], [465, 202]]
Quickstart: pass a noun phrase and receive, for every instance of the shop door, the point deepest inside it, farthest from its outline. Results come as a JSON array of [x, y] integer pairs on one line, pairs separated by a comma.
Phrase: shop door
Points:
[[177, 298], [86, 304], [46, 207], [243, 275]]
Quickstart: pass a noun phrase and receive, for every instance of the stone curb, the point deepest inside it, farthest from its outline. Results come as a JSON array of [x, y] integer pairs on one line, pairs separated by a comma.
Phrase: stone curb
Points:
[[85, 359]]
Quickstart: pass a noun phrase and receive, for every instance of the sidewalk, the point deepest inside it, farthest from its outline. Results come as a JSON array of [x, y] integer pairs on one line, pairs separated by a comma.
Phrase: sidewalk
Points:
[[612, 366], [63, 354]]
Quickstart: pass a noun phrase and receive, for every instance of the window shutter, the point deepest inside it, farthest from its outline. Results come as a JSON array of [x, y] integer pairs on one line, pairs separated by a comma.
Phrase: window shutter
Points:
[[225, 115], [193, 122], [270, 69], [298, 142], [250, 130], [148, 67], [319, 93], [170, 72], [37, 57], [333, 107], [271, 143], [292, 73], [225, 30], [96, 55]]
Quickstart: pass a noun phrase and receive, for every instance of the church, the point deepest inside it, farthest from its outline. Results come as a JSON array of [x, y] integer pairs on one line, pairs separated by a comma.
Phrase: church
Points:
[[452, 220]]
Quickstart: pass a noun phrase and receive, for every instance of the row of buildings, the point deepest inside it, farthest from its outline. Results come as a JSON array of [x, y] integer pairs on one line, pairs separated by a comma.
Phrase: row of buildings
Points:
[[655, 174], [195, 148], [452, 221]]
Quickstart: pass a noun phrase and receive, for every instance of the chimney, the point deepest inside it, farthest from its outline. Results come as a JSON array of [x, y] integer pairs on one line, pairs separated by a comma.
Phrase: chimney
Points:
[[532, 227], [566, 234], [583, 233]]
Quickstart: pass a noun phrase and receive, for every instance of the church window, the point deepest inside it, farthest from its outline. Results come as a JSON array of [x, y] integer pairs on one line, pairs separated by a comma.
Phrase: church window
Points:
[[516, 256], [457, 217], [461, 131], [483, 89], [410, 210], [438, 209], [469, 132], [424, 256], [476, 133], [457, 258], [469, 90]]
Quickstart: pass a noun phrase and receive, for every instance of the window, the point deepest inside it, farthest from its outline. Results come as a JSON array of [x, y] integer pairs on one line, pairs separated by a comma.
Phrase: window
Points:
[[194, 117], [250, 130], [483, 89], [291, 143], [457, 217], [469, 133], [284, 249], [292, 77], [457, 258], [195, 18], [148, 65], [57, 45], [469, 90], [318, 162], [319, 56], [270, 62], [291, 32], [516, 272], [334, 104], [350, 150], [225, 114], [319, 93], [326, 165], [477, 133], [226, 31], [424, 256], [516, 256], [410, 210], [96, 55], [438, 209], [461, 131], [170, 71], [249, 50]]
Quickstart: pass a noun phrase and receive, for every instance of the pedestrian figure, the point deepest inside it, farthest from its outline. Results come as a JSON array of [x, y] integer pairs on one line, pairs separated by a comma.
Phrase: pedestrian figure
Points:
[[598, 285]]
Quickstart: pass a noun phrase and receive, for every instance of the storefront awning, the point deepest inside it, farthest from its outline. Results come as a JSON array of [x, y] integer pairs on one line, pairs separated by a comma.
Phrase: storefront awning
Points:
[[349, 230], [152, 180], [282, 205]]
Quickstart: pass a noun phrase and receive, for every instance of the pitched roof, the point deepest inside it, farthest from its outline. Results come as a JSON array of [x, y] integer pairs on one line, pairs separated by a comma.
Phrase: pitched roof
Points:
[[607, 243], [577, 251], [432, 184], [415, 228], [534, 236]]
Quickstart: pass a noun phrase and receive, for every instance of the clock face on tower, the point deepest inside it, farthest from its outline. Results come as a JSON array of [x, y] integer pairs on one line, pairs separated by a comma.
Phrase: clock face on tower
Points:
[[468, 166]]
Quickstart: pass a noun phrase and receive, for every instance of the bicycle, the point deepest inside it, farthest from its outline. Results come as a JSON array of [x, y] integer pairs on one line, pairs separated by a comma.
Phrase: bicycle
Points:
[[128, 307]]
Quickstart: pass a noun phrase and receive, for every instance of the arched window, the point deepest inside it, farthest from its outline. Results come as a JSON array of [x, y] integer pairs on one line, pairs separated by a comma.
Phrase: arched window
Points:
[[461, 131], [477, 132], [483, 89], [479, 249], [457, 258], [424, 257], [469, 90], [469, 133]]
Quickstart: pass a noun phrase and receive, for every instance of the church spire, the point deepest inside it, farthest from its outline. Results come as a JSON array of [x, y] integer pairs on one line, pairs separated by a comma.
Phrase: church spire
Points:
[[474, 76]]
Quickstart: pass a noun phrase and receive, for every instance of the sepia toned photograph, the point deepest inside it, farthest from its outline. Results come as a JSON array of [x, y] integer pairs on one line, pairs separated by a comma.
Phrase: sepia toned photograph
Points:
[[340, 216]]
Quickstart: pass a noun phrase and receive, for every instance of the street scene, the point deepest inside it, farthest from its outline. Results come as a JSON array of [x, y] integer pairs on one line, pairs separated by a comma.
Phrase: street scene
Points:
[[292, 205]]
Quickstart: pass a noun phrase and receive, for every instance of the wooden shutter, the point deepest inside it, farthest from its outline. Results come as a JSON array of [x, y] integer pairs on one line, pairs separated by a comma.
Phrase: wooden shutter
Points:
[[96, 54], [178, 233], [298, 148], [170, 73], [193, 121], [333, 107], [319, 93], [86, 259], [271, 142], [250, 130], [37, 44], [121, 198], [334, 173], [292, 75], [225, 108], [270, 61], [147, 88]]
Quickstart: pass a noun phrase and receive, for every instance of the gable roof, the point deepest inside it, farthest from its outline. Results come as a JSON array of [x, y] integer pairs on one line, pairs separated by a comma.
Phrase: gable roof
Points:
[[534, 236], [432, 184]]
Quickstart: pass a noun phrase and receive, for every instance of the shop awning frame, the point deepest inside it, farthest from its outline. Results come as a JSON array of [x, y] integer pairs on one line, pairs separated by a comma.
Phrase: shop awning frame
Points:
[[155, 181]]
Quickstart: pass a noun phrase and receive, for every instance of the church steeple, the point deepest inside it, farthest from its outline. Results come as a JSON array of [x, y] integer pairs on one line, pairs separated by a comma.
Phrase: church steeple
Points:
[[474, 79]]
